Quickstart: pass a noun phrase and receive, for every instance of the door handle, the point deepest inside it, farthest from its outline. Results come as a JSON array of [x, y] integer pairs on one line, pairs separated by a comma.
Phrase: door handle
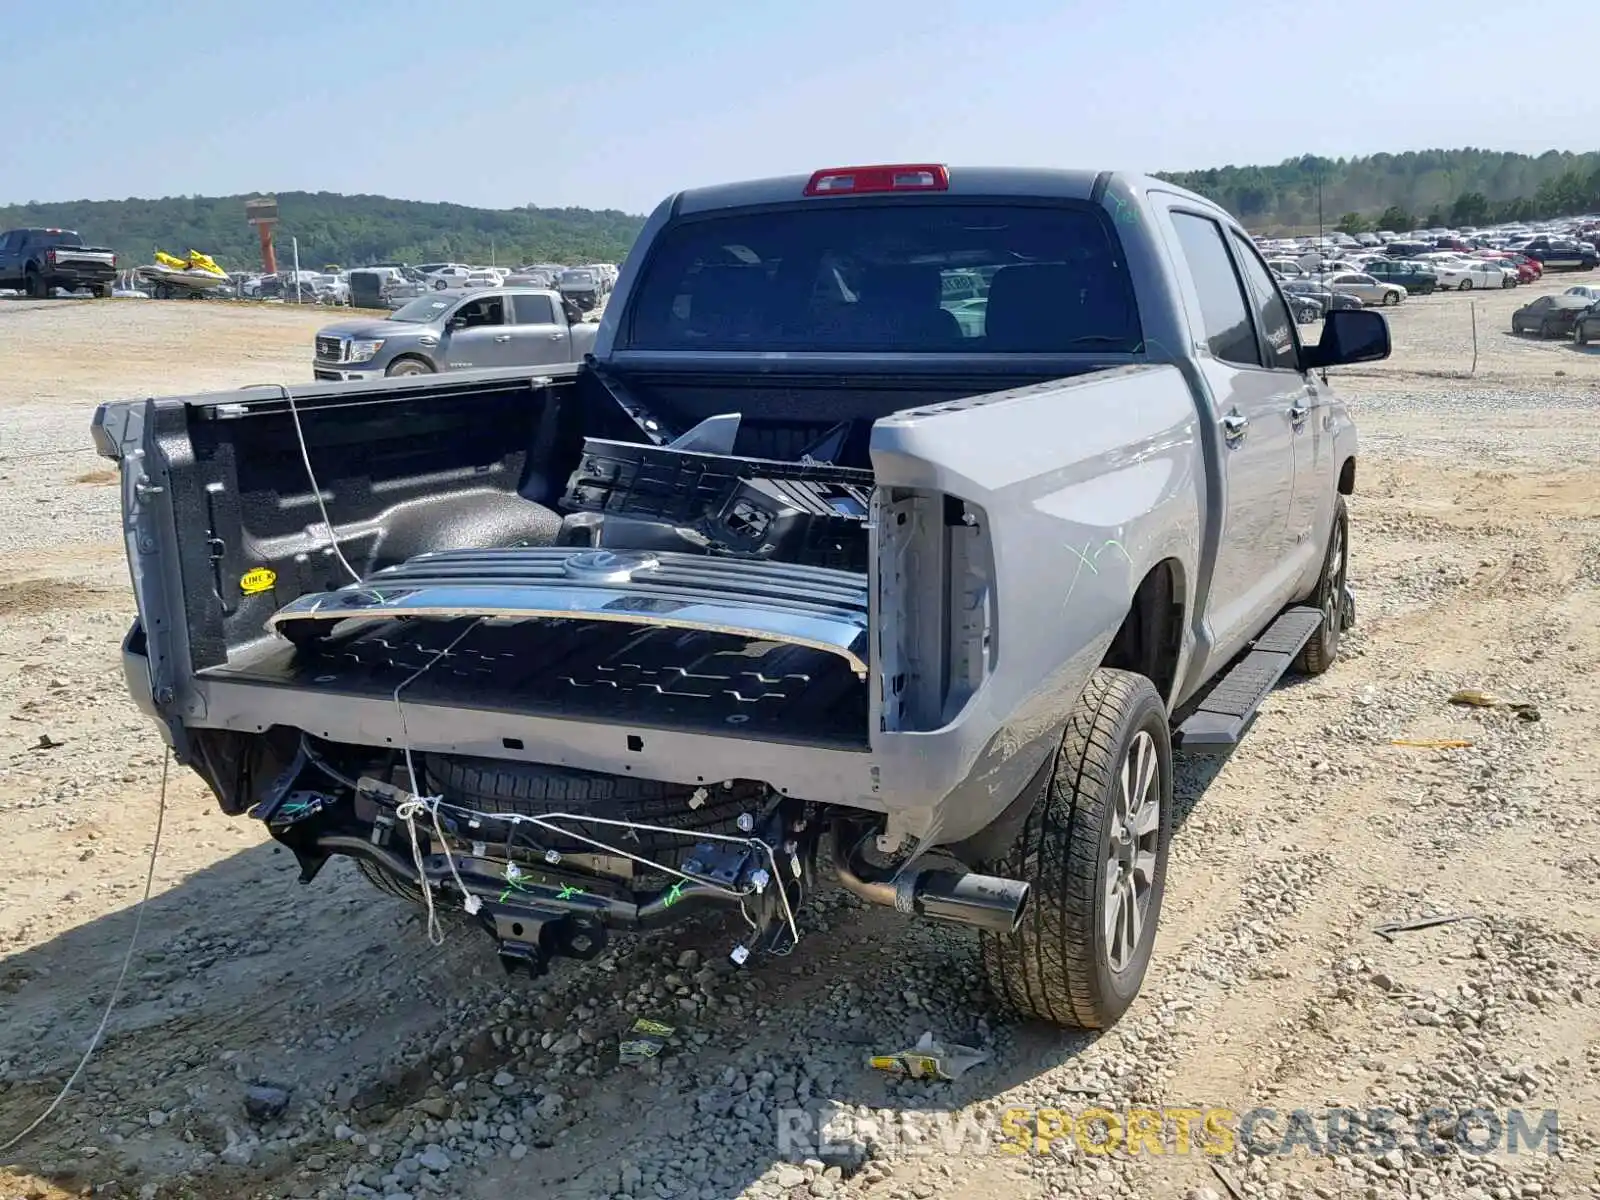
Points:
[[1298, 413], [556, 337], [1234, 425], [502, 337]]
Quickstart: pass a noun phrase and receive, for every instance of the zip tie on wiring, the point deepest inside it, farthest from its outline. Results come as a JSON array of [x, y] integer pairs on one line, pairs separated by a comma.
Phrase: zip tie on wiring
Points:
[[122, 975], [408, 809], [316, 488]]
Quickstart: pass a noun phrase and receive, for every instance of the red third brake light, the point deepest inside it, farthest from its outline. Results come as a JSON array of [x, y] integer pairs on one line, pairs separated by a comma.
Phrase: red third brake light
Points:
[[899, 177]]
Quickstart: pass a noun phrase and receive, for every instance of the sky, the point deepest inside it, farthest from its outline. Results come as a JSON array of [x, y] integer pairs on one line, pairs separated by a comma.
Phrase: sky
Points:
[[618, 103]]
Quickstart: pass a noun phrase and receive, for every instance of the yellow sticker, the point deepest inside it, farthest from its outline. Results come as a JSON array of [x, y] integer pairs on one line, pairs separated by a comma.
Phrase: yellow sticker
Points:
[[257, 579]]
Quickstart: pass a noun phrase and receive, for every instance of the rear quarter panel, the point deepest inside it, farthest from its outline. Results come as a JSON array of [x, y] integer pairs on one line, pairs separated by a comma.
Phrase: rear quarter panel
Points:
[[1087, 483]]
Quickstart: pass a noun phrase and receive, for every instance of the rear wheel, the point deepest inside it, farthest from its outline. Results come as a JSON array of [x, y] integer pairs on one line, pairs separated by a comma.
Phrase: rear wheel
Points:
[[1464, 286], [1319, 653], [1391, 298], [1581, 335], [1544, 329], [35, 285], [1094, 852]]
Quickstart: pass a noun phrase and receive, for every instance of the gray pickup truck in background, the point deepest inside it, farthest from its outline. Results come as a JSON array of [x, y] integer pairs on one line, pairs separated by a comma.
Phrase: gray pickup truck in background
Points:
[[798, 568], [502, 327]]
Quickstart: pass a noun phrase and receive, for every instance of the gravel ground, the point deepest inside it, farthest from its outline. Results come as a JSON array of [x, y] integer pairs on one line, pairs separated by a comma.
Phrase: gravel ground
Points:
[[392, 1069]]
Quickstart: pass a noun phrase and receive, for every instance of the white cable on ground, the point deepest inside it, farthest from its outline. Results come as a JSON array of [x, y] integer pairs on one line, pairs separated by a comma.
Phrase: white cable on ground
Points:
[[127, 961], [316, 488]]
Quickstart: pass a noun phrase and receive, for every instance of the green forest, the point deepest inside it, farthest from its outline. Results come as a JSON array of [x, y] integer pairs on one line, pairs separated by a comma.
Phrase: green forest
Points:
[[333, 228], [1379, 191], [1403, 191]]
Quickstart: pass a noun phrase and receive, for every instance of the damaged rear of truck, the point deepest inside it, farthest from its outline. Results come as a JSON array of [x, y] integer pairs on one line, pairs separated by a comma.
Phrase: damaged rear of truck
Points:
[[808, 566]]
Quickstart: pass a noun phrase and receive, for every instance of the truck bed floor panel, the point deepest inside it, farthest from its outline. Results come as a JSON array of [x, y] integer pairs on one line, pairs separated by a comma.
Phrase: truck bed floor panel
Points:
[[588, 671]]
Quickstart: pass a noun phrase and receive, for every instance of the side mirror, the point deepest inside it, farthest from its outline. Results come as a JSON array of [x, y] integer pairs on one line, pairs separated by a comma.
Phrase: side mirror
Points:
[[455, 323], [1349, 335]]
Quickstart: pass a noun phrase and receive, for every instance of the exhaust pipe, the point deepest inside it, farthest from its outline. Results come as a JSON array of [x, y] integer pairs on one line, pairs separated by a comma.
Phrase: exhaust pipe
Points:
[[965, 898]]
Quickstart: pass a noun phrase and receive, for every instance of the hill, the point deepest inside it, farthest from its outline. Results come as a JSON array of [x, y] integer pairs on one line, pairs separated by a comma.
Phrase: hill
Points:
[[334, 228], [1401, 191], [1392, 191]]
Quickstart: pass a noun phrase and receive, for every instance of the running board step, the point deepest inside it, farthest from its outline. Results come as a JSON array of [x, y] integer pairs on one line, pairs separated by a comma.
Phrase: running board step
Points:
[[1220, 721]]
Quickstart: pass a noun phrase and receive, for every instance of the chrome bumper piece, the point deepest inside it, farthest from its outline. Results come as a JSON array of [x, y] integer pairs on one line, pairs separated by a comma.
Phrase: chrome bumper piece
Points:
[[817, 607]]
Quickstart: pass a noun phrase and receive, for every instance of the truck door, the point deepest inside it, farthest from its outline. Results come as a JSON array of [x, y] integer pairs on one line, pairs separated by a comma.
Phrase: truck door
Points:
[[478, 335], [539, 334], [1310, 417], [1251, 396]]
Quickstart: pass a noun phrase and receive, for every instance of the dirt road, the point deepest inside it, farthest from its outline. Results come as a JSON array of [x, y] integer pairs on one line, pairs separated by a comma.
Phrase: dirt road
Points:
[[411, 1071]]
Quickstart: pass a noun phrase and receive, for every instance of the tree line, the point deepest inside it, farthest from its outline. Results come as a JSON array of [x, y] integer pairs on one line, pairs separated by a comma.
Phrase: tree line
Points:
[[1383, 191], [338, 229], [1423, 188]]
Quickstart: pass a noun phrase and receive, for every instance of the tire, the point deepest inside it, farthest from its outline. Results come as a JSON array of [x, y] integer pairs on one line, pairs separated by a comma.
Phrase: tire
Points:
[[1319, 653], [440, 285], [1061, 965], [408, 366], [35, 286], [1581, 335], [1464, 286], [390, 885], [1390, 299], [1510, 281], [531, 789], [1544, 329], [101, 291]]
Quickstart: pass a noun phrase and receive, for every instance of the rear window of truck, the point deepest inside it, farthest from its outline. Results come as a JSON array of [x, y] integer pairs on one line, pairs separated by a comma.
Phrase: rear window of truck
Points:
[[896, 277]]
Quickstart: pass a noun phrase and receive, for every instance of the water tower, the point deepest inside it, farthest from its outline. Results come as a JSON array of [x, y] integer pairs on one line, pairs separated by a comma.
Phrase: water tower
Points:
[[263, 214]]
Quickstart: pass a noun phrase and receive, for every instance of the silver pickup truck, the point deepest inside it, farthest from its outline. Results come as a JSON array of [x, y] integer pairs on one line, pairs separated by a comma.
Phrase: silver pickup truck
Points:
[[502, 327], [799, 572]]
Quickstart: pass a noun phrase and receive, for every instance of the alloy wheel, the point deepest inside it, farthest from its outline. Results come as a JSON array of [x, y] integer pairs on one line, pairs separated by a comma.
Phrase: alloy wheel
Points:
[[1128, 872]]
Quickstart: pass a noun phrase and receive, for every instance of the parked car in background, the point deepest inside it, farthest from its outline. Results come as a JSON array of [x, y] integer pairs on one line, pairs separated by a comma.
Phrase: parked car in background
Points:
[[331, 289], [535, 275], [1325, 299], [582, 286], [1550, 316], [1414, 276], [506, 327], [1586, 328], [1464, 274], [1365, 288], [483, 277], [1587, 290], [37, 261], [386, 286], [442, 276], [1408, 249], [1304, 309], [1561, 254]]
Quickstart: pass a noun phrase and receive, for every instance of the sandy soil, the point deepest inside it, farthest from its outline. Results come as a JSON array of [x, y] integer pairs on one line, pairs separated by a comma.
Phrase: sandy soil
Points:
[[413, 1071]]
